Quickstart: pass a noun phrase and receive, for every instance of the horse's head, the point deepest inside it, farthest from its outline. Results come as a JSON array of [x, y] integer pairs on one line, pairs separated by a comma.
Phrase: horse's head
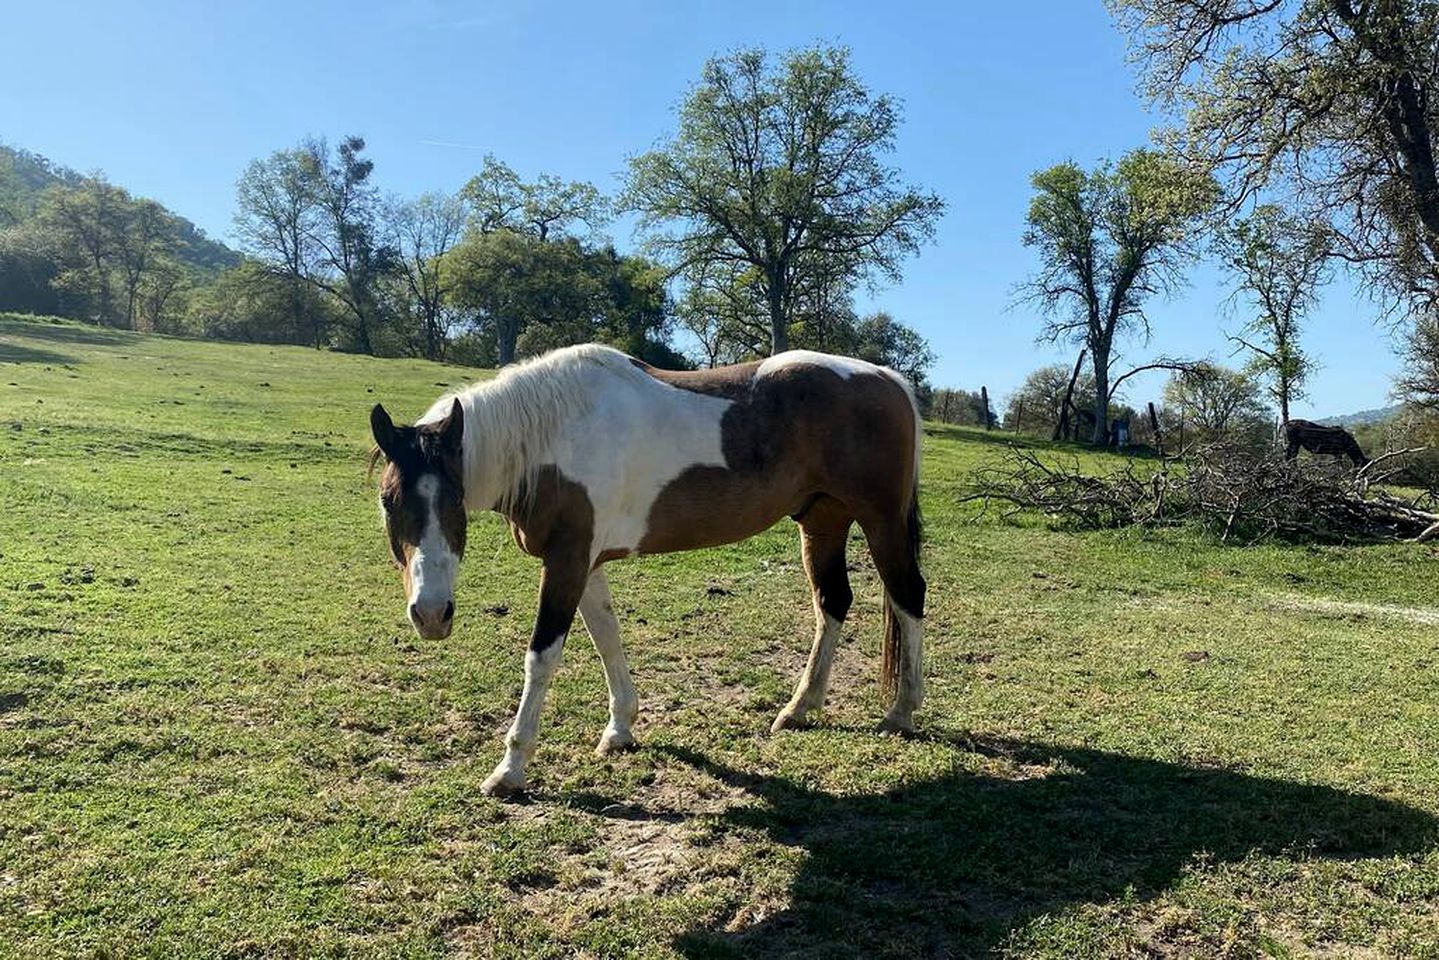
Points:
[[422, 498]]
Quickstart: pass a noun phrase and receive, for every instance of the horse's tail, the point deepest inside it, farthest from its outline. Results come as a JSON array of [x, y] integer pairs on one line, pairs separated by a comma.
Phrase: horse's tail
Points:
[[890, 652]]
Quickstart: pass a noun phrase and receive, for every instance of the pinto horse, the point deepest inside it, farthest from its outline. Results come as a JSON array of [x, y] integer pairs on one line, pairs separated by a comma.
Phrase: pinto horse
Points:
[[592, 456]]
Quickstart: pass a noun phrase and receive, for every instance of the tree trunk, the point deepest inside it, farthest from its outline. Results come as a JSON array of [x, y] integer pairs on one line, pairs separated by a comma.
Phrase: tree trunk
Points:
[[1101, 398], [778, 322], [1061, 427], [507, 336]]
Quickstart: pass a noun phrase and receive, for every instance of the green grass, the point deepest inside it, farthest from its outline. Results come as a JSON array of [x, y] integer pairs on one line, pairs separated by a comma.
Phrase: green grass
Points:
[[218, 737]]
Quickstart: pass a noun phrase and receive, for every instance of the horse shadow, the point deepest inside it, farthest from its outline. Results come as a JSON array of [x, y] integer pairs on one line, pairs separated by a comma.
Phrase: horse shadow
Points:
[[950, 866]]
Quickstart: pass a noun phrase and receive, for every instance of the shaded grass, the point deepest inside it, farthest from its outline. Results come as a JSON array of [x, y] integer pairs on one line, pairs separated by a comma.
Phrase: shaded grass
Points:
[[218, 736]]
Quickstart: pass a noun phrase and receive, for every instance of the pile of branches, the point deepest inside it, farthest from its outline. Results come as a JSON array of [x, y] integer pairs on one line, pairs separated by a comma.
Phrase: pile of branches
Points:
[[1240, 495]]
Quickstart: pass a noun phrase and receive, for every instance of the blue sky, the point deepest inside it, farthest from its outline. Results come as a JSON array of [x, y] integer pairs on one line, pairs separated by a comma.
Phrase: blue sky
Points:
[[172, 99]]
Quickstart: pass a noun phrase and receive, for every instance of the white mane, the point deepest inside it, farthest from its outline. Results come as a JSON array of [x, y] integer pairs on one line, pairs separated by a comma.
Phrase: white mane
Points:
[[513, 421]]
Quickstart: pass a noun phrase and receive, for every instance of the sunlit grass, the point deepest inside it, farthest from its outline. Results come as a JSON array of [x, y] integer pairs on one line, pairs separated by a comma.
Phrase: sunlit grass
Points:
[[218, 736]]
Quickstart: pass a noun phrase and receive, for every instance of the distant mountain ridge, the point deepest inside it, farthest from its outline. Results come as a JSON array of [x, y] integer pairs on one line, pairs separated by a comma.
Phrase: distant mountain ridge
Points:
[[1364, 417], [25, 175]]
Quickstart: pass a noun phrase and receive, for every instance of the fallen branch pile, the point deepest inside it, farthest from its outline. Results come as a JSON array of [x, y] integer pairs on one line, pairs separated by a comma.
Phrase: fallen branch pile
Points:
[[1237, 494]]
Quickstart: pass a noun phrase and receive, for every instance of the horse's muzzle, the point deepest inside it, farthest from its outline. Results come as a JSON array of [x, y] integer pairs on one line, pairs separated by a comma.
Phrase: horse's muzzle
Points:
[[433, 622]]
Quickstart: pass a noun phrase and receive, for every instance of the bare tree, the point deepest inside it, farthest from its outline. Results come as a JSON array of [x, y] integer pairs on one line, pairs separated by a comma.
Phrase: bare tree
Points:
[[422, 232], [275, 218]]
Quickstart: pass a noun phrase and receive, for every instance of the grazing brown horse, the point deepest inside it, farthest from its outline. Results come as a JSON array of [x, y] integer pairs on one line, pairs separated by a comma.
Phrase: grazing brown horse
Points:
[[593, 456], [1317, 438]]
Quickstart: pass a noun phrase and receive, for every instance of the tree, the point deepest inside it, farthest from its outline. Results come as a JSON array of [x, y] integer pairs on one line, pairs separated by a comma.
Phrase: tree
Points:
[[1041, 397], [346, 234], [276, 217], [143, 238], [1278, 262], [1108, 239], [881, 339], [254, 303], [781, 170], [79, 226], [963, 407], [548, 206], [1335, 102], [1220, 403], [314, 217], [510, 281], [421, 232]]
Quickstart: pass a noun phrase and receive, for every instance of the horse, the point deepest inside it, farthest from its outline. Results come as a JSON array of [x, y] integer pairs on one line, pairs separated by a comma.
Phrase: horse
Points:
[[593, 456], [1317, 438]]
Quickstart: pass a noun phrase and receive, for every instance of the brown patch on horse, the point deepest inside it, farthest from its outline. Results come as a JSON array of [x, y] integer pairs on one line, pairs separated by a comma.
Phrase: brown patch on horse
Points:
[[800, 431], [729, 383], [556, 523]]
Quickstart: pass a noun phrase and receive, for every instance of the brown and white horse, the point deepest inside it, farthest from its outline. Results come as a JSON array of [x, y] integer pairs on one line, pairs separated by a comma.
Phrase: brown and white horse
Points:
[[592, 456]]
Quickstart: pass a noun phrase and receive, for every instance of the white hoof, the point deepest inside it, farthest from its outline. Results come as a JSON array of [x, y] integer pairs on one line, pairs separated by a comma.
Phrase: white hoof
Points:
[[615, 741], [503, 783], [791, 718]]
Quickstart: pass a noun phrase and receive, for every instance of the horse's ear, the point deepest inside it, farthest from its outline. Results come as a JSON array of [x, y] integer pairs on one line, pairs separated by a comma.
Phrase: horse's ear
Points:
[[452, 429], [383, 429]]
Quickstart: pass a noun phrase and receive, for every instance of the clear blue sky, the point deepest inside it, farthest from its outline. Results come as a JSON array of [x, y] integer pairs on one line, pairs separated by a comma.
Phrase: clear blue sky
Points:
[[172, 99]]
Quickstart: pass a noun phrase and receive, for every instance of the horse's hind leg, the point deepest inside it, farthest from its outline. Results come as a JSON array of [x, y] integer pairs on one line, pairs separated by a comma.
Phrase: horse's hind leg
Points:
[[894, 544], [599, 615], [823, 531]]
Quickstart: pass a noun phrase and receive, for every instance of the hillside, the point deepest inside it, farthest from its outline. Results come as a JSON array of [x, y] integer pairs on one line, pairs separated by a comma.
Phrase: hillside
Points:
[[219, 736], [1365, 417], [24, 176]]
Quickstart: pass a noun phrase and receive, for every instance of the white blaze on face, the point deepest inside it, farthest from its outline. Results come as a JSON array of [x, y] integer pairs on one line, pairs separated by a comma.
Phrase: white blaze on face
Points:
[[433, 565]]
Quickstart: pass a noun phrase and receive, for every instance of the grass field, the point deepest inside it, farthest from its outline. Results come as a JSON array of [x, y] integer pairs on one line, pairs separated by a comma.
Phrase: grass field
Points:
[[219, 737]]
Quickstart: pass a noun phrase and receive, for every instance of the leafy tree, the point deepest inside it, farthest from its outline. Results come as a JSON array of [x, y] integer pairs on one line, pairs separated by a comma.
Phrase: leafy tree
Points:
[[1220, 403], [1108, 239], [314, 216], [509, 281], [346, 234], [252, 302], [781, 170], [143, 240], [1278, 262], [1335, 102], [548, 206], [881, 339], [962, 407], [78, 226], [1041, 399]]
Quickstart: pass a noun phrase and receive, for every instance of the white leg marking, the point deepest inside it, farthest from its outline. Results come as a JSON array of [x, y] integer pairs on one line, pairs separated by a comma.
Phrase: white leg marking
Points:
[[911, 673], [814, 681], [599, 615], [509, 776]]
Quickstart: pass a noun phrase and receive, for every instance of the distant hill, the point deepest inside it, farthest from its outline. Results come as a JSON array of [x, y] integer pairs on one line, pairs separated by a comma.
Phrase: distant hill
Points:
[[24, 176], [1364, 417]]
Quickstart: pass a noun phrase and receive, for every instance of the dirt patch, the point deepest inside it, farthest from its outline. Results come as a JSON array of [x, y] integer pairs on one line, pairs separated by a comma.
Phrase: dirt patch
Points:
[[658, 841], [1428, 616]]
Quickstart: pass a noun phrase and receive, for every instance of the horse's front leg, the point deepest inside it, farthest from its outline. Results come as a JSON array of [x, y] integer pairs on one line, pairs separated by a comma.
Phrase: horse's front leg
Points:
[[599, 615], [561, 585]]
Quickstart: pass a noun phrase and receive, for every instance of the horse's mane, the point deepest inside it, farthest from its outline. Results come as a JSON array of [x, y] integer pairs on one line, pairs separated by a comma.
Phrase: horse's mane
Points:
[[513, 421]]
